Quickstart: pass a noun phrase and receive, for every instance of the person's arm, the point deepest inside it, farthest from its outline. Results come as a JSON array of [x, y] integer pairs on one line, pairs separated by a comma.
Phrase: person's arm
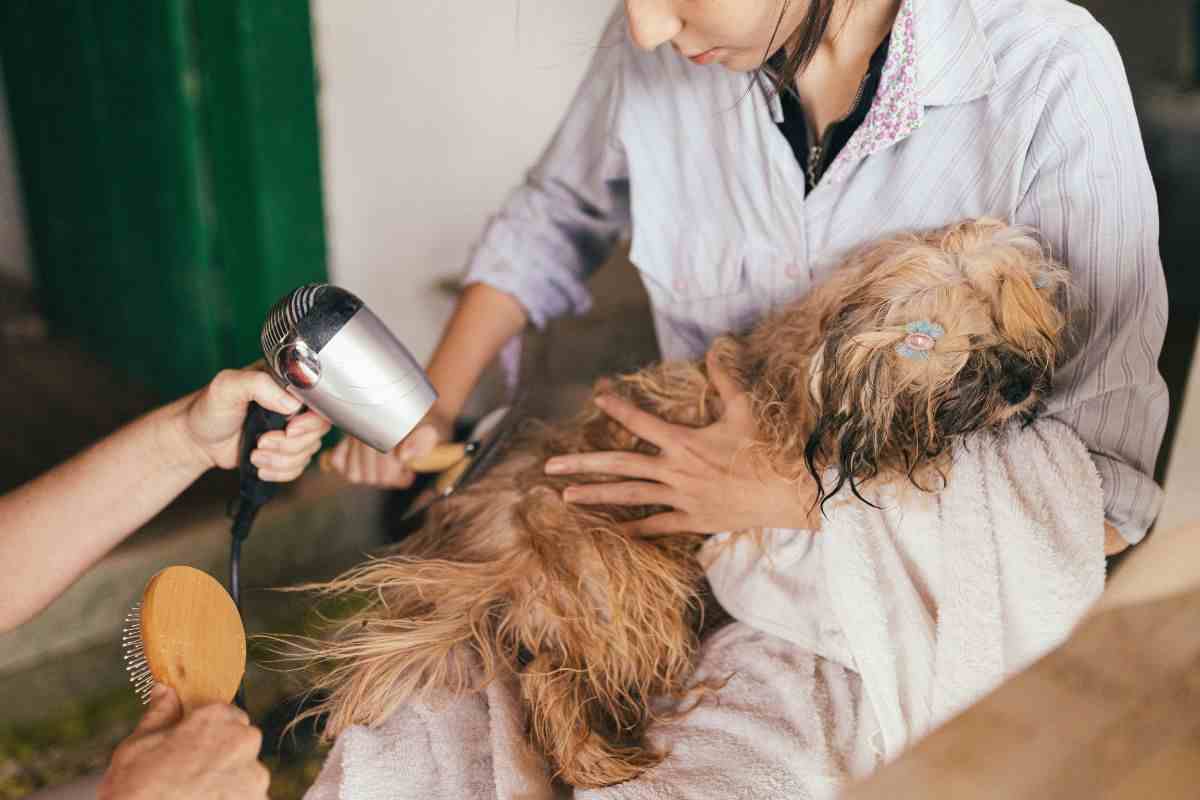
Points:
[[61, 523], [211, 753], [483, 321], [532, 262], [1087, 189]]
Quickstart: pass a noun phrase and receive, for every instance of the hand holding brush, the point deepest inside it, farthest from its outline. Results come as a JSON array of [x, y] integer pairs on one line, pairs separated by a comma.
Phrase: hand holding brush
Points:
[[210, 753]]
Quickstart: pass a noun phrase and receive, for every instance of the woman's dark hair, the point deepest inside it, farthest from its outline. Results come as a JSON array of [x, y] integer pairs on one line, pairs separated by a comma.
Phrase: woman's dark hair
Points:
[[795, 53]]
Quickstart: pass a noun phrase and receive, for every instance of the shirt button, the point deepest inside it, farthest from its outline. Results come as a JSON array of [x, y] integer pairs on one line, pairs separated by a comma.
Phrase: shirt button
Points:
[[681, 283], [795, 270]]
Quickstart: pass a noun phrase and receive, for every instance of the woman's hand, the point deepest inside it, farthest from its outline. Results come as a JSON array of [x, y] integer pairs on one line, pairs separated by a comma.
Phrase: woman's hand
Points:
[[1114, 542], [213, 418], [361, 463], [711, 477]]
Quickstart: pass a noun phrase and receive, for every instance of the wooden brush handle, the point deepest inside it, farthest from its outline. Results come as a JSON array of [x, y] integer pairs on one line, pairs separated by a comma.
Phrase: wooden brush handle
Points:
[[450, 477], [440, 458]]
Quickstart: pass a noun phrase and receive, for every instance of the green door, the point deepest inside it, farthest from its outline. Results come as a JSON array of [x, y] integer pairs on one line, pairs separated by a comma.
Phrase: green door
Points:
[[170, 167]]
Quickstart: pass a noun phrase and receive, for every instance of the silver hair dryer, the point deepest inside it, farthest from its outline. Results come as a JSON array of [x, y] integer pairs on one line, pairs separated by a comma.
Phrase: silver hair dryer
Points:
[[326, 347]]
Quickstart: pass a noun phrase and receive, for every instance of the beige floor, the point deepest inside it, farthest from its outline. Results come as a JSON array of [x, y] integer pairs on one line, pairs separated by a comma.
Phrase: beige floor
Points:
[[1169, 562], [1182, 503]]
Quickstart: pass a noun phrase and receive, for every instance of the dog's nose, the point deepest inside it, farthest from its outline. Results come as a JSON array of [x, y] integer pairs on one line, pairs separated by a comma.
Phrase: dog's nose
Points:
[[1017, 377], [1017, 389]]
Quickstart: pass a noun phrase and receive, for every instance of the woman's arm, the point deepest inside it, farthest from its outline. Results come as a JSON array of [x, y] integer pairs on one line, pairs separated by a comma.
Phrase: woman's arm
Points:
[[532, 262], [1087, 189], [56, 526], [483, 321]]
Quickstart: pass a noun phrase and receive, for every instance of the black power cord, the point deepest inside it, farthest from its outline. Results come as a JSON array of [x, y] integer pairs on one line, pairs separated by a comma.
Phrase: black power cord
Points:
[[253, 494]]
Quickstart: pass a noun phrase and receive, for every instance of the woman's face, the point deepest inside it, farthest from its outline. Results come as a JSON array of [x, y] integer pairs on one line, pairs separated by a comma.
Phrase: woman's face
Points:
[[732, 33]]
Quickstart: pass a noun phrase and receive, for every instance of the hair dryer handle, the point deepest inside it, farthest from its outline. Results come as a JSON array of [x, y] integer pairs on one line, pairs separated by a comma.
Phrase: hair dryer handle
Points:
[[255, 491]]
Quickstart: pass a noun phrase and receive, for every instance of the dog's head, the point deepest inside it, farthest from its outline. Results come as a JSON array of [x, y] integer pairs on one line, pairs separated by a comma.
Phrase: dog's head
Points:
[[927, 338]]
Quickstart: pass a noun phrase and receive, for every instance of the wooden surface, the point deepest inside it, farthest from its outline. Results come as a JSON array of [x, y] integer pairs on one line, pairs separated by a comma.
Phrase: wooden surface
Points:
[[193, 636], [1167, 563], [1113, 714], [450, 477], [440, 458]]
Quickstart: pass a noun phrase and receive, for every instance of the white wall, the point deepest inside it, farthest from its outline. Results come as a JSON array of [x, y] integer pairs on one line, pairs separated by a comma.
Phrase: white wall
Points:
[[14, 248], [431, 111]]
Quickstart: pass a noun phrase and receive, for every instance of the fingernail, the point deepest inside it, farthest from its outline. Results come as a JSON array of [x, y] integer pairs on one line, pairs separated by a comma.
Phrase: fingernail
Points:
[[602, 400], [555, 467]]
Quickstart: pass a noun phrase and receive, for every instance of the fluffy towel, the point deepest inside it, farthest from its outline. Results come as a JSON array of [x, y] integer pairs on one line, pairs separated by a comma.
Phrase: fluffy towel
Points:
[[851, 643]]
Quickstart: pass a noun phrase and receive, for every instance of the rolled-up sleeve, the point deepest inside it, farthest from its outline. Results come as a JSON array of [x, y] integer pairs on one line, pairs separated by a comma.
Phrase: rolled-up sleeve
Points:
[[1087, 188], [562, 223]]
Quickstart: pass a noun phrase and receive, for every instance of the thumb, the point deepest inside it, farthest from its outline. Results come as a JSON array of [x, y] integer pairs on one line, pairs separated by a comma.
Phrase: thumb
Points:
[[420, 442], [733, 396], [263, 389], [165, 710], [232, 390]]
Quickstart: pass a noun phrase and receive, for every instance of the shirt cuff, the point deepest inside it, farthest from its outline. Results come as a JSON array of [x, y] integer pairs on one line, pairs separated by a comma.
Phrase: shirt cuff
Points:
[[1132, 499]]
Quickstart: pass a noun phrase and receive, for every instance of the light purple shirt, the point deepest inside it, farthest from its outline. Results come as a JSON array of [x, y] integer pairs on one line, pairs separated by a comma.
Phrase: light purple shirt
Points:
[[1018, 109]]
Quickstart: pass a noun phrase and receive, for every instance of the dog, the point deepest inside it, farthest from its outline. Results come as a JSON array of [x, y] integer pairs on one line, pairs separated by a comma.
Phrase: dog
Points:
[[912, 344]]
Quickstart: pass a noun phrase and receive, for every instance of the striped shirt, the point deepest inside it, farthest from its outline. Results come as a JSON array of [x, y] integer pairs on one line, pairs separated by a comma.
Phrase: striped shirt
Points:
[[1018, 109]]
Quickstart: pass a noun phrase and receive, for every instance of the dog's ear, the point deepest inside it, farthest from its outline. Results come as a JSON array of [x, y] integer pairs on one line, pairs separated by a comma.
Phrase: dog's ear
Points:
[[856, 390], [1026, 289], [1028, 318], [1029, 294]]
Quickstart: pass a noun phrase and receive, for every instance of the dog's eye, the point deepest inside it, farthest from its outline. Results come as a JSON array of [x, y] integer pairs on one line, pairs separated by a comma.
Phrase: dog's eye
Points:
[[524, 656]]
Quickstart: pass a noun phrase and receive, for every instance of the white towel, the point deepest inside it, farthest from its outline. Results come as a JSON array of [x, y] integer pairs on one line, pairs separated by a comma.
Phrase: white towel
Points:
[[460, 747], [851, 644], [935, 599]]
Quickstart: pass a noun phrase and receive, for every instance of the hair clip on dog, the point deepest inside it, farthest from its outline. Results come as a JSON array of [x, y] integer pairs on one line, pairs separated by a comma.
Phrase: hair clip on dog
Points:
[[922, 337]]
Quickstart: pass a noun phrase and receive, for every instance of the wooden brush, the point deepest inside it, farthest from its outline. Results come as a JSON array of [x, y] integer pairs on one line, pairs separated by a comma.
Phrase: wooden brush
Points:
[[185, 633]]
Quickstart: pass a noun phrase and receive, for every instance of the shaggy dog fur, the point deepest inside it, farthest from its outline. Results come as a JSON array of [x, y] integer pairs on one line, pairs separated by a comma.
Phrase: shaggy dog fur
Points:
[[505, 578]]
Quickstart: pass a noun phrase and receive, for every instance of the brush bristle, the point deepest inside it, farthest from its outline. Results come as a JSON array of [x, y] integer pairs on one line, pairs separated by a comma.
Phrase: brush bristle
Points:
[[135, 655]]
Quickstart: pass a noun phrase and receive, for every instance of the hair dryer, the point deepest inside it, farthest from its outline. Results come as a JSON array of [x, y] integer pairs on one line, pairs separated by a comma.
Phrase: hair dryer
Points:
[[327, 348]]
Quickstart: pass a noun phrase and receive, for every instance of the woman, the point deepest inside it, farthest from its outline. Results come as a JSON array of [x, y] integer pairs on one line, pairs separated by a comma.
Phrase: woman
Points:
[[746, 146]]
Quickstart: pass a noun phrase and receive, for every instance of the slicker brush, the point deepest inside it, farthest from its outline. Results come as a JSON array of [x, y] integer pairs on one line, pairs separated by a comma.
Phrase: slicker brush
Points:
[[185, 633]]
